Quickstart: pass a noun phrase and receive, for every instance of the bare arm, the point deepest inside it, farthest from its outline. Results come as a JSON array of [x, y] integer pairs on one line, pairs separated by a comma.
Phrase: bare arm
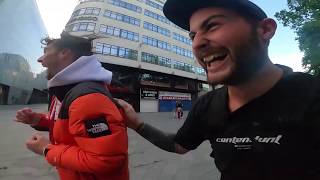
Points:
[[27, 116], [38, 121], [157, 137]]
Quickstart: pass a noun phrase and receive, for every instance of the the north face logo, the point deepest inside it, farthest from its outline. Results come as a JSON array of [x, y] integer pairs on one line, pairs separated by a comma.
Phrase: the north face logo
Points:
[[97, 127]]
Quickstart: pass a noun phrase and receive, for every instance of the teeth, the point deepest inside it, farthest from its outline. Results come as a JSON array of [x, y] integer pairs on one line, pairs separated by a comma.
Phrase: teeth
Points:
[[208, 58], [212, 57]]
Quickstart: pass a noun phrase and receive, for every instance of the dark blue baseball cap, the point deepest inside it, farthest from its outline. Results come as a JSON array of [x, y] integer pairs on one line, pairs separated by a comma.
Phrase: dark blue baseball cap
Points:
[[180, 11]]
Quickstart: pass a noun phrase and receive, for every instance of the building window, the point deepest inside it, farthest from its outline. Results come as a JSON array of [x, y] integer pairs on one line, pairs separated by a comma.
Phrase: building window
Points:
[[86, 11], [82, 1], [183, 66], [199, 71], [153, 4], [112, 50], [154, 59], [83, 26], [159, 1], [156, 43], [117, 32], [182, 39], [156, 16], [155, 28], [182, 51], [122, 17], [125, 5]]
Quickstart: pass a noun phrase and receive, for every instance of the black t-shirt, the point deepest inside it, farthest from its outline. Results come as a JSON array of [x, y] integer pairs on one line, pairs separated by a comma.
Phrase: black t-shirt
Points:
[[275, 136]]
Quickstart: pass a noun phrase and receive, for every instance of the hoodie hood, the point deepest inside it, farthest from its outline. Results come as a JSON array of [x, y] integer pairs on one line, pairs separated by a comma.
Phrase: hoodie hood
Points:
[[86, 68]]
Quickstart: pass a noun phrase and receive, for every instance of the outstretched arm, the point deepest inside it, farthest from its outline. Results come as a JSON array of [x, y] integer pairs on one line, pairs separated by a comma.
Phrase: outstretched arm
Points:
[[157, 137], [39, 121]]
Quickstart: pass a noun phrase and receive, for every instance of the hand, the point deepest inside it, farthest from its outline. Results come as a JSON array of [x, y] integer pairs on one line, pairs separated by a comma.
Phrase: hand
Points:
[[37, 143], [27, 116], [133, 121]]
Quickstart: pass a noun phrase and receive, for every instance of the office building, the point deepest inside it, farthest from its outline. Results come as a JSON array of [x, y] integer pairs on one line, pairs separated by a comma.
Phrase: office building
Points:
[[151, 58]]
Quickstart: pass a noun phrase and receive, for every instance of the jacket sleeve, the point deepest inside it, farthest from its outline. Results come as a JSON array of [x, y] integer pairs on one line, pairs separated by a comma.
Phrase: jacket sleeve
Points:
[[43, 124], [100, 133]]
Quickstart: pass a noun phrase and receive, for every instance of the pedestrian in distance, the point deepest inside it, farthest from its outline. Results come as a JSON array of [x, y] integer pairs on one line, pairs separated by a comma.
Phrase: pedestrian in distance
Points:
[[264, 123], [88, 137], [179, 110]]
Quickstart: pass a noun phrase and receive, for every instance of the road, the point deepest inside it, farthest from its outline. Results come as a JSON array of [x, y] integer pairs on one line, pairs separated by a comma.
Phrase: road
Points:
[[146, 162]]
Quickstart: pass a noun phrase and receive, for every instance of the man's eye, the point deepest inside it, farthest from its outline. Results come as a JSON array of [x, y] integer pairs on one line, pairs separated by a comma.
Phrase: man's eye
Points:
[[211, 26], [192, 35]]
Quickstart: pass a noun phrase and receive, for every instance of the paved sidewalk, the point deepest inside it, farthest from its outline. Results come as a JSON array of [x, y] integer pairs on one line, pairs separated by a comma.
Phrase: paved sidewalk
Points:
[[147, 162]]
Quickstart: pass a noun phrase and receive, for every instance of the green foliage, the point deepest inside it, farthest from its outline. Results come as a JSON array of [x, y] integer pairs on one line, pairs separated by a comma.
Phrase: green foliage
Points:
[[304, 17]]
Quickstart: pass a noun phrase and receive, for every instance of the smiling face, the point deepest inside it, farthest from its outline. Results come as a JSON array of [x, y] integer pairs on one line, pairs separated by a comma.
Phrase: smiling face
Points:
[[226, 45]]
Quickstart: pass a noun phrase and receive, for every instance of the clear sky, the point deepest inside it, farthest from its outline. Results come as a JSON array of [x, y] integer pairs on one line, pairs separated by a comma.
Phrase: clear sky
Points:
[[283, 48], [55, 14]]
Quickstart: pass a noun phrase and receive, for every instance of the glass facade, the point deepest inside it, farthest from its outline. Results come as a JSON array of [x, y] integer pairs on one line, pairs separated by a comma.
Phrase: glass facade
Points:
[[22, 78], [156, 43], [125, 5], [86, 11], [112, 50], [154, 5], [156, 16], [154, 59], [117, 32], [182, 52], [122, 17], [183, 66], [83, 26], [181, 38], [155, 28]]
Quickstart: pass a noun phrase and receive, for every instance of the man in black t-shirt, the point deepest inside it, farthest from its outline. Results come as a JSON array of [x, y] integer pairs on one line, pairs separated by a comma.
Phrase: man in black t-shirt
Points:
[[264, 123]]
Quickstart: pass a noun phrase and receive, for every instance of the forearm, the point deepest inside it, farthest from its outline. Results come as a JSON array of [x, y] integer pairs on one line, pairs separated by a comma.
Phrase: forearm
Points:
[[160, 139]]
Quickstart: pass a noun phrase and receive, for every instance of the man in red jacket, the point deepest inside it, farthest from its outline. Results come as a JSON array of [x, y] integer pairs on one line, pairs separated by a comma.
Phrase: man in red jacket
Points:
[[88, 137], [264, 123]]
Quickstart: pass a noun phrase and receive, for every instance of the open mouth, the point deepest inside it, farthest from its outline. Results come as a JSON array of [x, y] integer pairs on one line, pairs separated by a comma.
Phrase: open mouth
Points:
[[214, 59]]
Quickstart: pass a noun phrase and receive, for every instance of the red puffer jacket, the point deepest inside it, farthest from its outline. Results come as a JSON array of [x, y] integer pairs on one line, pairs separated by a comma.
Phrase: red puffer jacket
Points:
[[92, 143]]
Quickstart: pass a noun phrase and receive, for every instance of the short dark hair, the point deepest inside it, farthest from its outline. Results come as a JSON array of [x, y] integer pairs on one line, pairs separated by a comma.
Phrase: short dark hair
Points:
[[78, 45]]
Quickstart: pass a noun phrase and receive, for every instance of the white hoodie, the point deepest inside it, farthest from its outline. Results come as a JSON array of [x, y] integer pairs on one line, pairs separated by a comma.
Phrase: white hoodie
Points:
[[86, 68]]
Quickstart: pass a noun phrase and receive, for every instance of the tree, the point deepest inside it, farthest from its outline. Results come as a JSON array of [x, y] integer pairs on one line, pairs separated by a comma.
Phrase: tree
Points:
[[304, 17]]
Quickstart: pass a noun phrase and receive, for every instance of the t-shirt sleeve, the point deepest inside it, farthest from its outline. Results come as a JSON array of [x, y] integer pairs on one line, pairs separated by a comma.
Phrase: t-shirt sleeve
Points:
[[191, 135], [313, 112]]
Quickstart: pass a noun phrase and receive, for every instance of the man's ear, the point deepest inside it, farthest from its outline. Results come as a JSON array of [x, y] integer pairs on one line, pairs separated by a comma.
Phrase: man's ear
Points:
[[65, 53], [266, 29]]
